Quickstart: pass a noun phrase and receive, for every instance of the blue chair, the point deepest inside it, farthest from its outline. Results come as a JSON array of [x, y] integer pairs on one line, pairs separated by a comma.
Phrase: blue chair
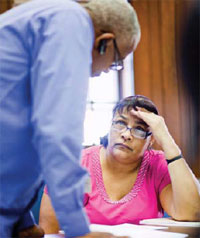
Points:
[[36, 207], [166, 215]]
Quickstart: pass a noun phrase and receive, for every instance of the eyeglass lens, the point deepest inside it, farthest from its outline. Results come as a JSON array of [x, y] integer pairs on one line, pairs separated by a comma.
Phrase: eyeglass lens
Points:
[[134, 131], [118, 64]]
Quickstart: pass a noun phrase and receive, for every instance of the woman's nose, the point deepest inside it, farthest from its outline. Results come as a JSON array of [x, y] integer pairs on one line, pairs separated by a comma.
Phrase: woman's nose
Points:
[[126, 135]]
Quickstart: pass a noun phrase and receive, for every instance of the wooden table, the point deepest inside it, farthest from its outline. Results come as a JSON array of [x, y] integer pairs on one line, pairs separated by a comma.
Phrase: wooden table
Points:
[[193, 232]]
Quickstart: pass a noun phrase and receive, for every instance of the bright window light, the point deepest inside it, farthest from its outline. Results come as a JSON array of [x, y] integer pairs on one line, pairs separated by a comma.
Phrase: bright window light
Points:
[[102, 96]]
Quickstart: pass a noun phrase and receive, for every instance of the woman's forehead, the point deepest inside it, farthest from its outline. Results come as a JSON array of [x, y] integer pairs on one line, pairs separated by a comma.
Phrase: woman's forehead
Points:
[[126, 110], [128, 116]]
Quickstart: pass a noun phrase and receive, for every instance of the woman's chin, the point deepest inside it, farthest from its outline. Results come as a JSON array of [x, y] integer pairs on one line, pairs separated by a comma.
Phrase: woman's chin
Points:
[[120, 154]]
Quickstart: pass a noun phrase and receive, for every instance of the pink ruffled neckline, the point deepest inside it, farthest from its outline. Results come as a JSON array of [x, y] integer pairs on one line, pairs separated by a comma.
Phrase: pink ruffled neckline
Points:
[[96, 166]]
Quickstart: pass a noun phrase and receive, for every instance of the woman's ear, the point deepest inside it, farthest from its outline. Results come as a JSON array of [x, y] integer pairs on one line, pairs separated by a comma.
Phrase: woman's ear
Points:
[[151, 142]]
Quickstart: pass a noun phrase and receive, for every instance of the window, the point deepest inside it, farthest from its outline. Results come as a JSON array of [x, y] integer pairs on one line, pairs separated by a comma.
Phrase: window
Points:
[[102, 96], [104, 91]]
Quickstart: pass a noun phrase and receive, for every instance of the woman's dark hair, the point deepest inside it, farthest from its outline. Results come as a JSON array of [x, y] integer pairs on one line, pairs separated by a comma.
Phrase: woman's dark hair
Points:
[[128, 104]]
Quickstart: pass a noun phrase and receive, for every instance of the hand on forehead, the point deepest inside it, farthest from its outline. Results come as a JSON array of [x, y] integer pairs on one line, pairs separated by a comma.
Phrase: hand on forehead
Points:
[[129, 116]]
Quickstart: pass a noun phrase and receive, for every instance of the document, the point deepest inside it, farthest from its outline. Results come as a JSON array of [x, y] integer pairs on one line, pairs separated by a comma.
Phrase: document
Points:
[[136, 231], [53, 236], [169, 222], [133, 231]]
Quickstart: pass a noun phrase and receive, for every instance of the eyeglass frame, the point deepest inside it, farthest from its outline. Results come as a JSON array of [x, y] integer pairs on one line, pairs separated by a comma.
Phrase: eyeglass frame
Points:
[[130, 129], [117, 58]]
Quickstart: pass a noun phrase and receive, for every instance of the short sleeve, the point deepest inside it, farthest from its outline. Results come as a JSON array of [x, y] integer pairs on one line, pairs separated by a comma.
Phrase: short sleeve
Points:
[[162, 177], [86, 157]]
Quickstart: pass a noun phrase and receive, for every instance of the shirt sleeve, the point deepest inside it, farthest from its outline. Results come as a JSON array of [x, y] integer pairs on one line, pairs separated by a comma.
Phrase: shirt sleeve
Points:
[[61, 62], [84, 159], [162, 174], [26, 221], [85, 164]]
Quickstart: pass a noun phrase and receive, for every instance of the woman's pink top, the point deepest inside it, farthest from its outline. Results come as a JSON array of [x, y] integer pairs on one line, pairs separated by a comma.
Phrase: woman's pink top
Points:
[[142, 202]]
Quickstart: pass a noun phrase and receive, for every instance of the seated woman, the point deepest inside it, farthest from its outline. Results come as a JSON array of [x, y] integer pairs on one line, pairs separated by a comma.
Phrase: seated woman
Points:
[[129, 180]]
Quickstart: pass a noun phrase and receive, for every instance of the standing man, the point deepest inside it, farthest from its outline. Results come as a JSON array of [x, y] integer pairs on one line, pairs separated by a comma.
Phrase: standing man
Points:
[[48, 50]]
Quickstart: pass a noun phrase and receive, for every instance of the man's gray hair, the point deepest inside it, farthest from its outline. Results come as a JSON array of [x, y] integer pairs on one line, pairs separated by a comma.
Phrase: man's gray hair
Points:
[[116, 16]]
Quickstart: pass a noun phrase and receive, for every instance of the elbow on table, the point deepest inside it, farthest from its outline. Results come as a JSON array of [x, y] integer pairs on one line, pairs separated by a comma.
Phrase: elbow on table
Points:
[[188, 216]]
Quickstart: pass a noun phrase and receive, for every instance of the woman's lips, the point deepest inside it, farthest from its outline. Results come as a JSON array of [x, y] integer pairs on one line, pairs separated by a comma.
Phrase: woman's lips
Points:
[[123, 146]]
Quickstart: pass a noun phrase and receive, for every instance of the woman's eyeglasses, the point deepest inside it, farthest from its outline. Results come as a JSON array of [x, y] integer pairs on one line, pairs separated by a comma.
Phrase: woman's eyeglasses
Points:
[[135, 132]]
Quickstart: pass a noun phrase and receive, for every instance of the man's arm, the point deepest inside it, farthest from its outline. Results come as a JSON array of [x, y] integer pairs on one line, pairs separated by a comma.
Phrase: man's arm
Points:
[[59, 78], [49, 223]]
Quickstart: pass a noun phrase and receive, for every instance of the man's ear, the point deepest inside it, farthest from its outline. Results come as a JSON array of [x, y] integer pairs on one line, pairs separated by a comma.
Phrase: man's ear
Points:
[[102, 41]]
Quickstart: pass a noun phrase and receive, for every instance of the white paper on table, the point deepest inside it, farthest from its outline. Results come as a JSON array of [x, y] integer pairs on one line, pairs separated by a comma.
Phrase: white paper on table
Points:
[[169, 222], [134, 231], [53, 236], [131, 226]]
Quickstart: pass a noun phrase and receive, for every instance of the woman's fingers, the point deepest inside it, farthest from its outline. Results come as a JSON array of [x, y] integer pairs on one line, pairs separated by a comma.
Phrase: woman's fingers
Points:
[[147, 117]]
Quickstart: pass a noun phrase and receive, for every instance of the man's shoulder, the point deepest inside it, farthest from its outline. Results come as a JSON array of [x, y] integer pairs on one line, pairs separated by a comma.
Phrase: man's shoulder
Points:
[[60, 4], [32, 9]]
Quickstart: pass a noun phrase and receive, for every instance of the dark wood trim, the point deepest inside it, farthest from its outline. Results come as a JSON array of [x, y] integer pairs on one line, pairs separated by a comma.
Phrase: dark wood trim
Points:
[[157, 69], [5, 5]]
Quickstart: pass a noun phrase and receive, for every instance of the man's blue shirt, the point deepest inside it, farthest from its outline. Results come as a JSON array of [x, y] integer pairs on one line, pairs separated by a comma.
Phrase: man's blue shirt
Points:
[[45, 63]]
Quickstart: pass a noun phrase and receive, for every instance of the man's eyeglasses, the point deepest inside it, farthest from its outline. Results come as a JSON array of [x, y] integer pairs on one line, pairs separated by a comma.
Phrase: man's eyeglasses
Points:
[[135, 132], [118, 63]]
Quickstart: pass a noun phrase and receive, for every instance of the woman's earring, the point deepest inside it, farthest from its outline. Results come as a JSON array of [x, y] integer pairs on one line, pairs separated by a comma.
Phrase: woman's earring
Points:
[[149, 146]]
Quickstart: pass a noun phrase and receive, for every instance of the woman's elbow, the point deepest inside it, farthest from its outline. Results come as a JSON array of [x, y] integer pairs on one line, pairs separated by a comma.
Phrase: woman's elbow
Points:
[[187, 216]]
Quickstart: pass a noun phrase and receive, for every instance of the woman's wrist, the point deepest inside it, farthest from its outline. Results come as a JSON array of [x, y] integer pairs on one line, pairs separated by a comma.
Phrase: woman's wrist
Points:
[[172, 155], [174, 159], [166, 141], [171, 149]]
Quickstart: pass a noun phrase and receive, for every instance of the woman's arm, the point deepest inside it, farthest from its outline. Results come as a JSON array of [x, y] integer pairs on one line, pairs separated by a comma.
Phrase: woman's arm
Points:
[[48, 220], [49, 223], [180, 199]]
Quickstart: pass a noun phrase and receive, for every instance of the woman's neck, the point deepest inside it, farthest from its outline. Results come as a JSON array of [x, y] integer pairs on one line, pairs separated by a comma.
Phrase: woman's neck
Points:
[[114, 166]]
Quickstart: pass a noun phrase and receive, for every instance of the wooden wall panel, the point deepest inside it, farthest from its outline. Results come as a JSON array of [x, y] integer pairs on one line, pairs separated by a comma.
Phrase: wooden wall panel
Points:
[[155, 58], [157, 70], [5, 5], [187, 111], [168, 67], [156, 54], [142, 60]]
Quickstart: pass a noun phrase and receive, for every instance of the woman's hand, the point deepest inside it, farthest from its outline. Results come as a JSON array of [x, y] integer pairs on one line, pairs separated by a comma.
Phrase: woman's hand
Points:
[[159, 130], [156, 123]]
